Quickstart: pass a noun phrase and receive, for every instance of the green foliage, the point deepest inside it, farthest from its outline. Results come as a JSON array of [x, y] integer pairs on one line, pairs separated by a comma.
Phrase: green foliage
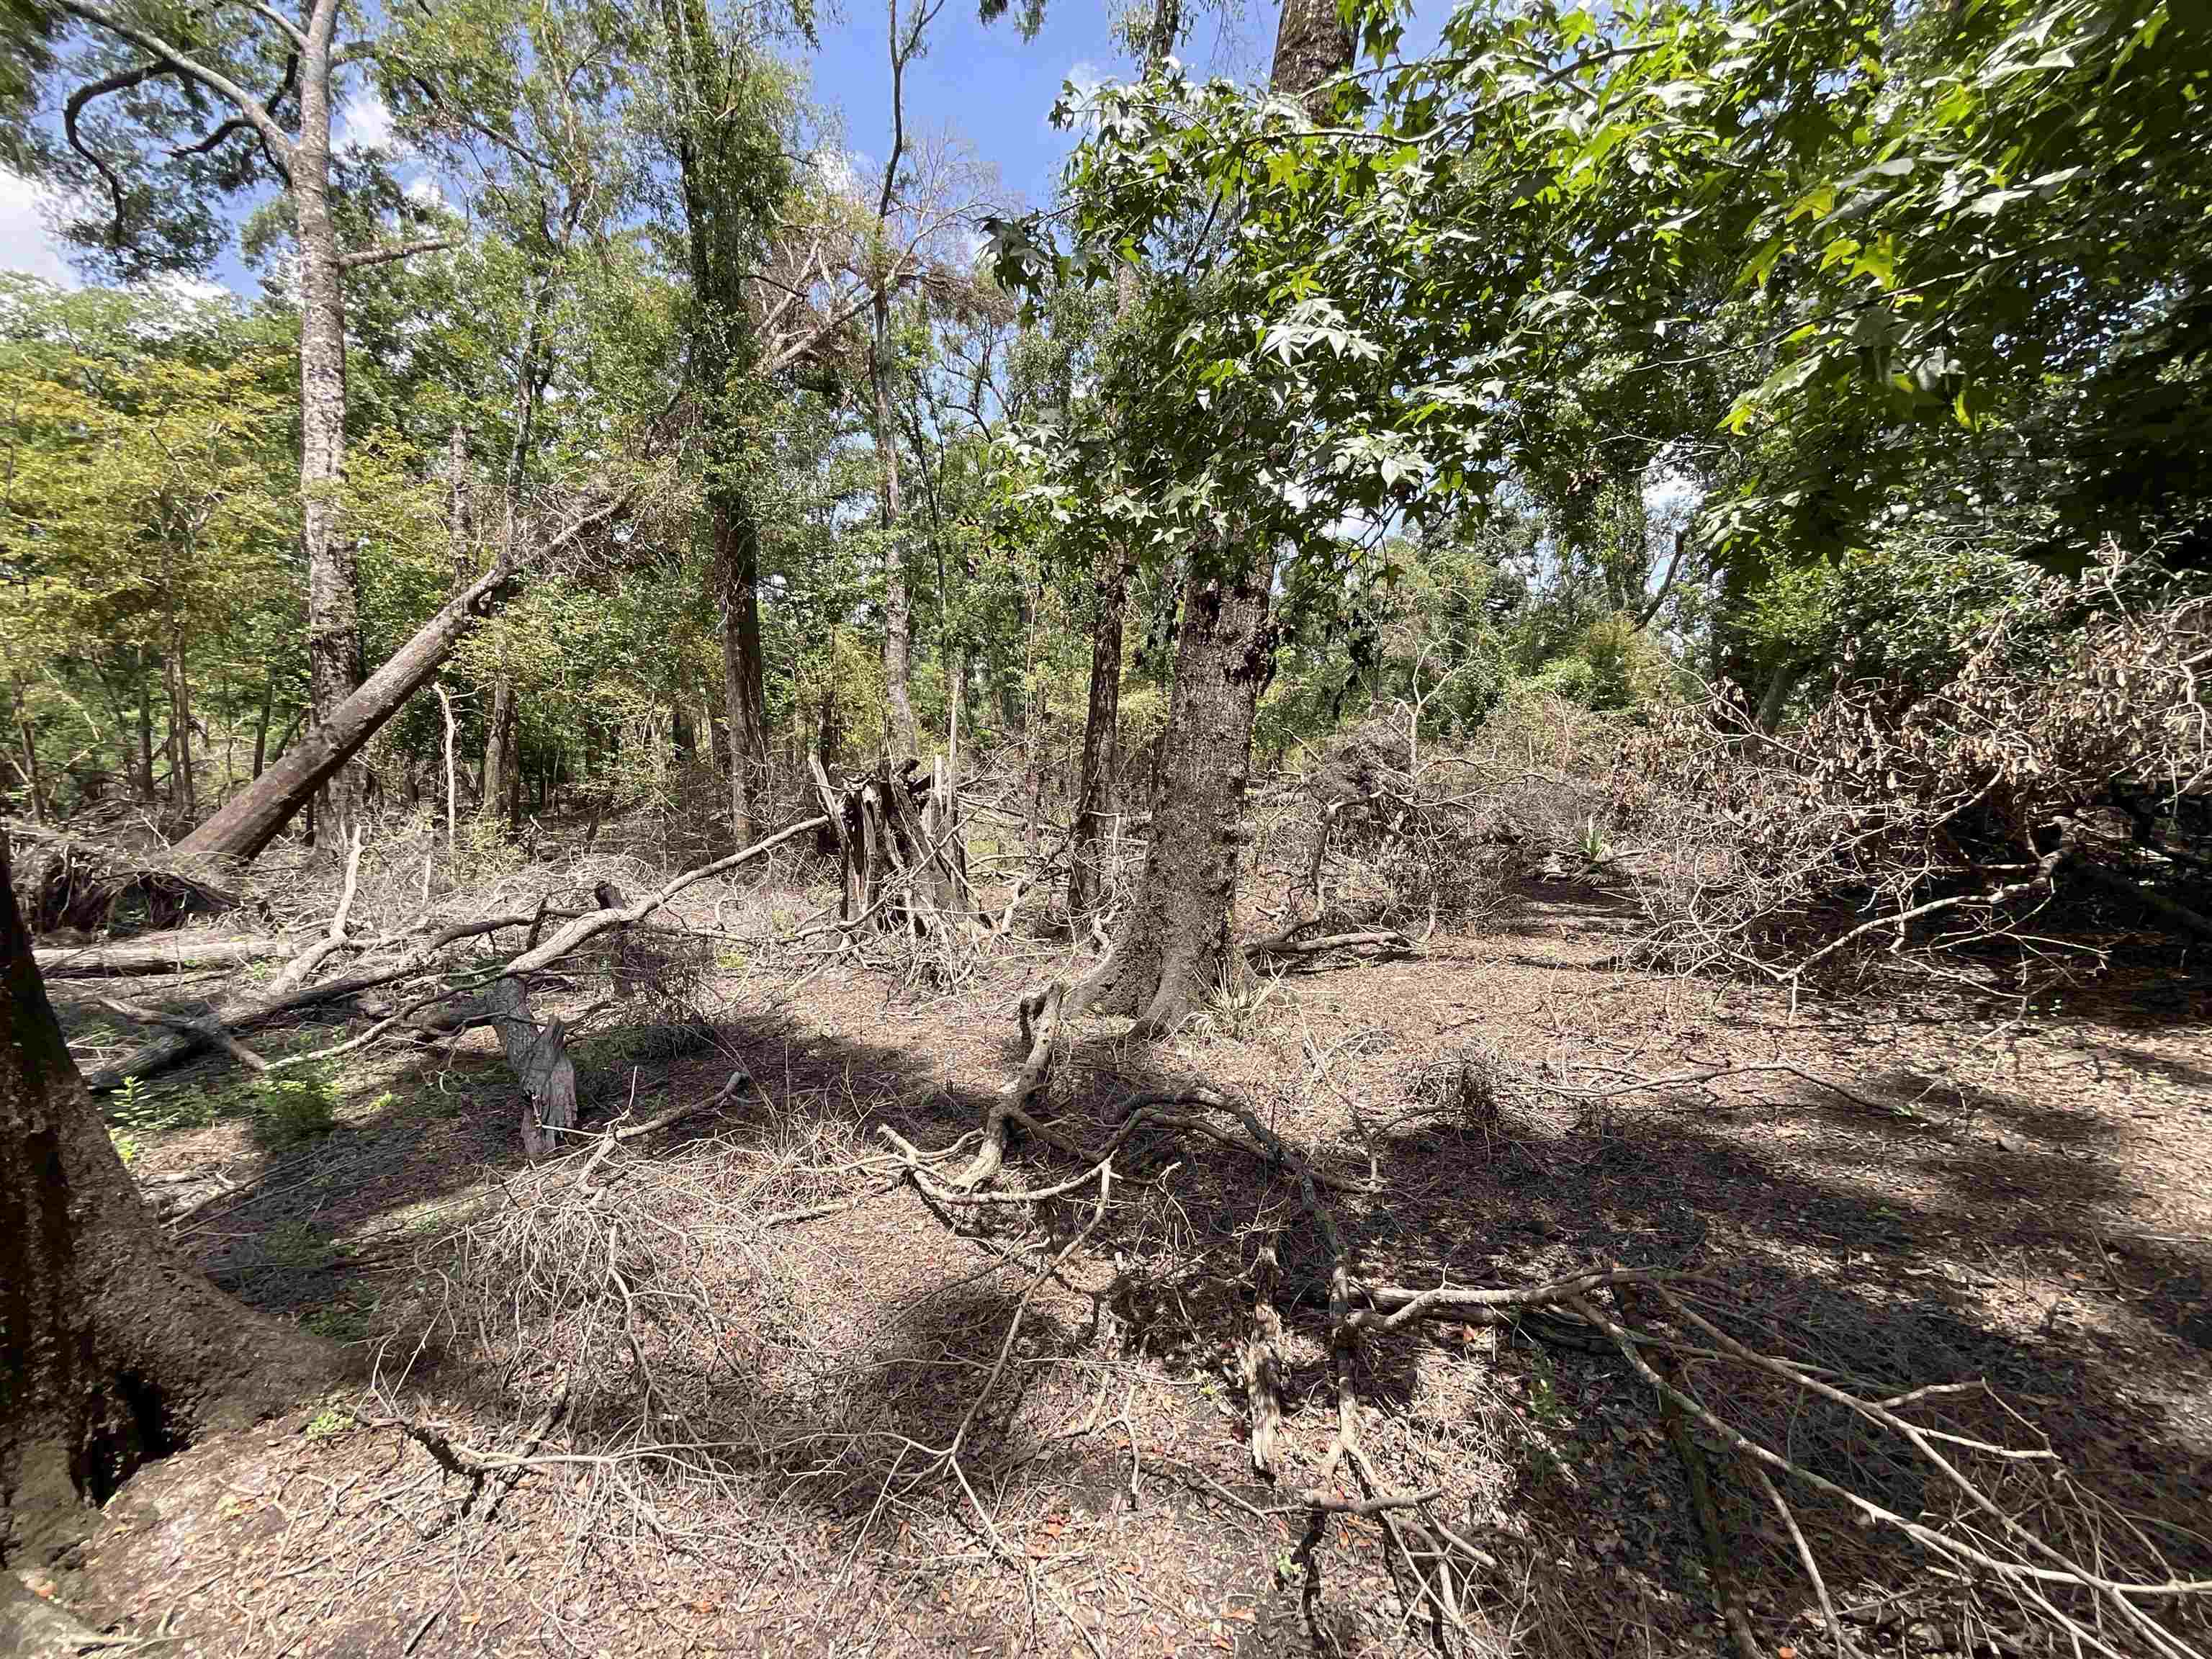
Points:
[[293, 1107]]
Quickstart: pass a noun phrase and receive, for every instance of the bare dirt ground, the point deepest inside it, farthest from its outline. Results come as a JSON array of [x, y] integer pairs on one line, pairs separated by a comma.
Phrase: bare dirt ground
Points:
[[1947, 1188]]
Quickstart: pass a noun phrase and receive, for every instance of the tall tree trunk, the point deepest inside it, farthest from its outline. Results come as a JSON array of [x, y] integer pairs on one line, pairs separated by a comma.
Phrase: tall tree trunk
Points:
[[113, 1349], [32, 781], [1101, 728], [145, 734], [457, 505], [898, 619], [182, 789], [1109, 579], [261, 721], [497, 799], [334, 660], [1173, 944], [736, 563]]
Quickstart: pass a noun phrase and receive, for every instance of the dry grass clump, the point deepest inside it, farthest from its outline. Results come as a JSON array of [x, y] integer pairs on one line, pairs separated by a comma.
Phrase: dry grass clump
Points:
[[1467, 1085]]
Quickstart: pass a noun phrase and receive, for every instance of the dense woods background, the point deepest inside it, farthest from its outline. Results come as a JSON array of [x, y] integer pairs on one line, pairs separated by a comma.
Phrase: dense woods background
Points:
[[1745, 466]]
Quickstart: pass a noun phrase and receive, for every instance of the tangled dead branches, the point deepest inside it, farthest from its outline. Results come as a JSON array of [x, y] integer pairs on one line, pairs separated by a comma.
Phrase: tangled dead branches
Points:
[[2057, 759]]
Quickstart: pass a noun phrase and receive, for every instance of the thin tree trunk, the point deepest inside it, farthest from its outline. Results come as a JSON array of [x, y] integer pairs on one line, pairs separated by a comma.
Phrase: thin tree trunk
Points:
[[181, 782], [1785, 681], [736, 562], [113, 1350], [1101, 728], [497, 799], [1173, 944], [456, 505], [31, 778], [1102, 716], [145, 734], [452, 782], [261, 724], [898, 622]]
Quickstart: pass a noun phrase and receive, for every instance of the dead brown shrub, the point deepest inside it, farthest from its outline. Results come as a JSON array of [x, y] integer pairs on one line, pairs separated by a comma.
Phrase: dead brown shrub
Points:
[[2059, 759]]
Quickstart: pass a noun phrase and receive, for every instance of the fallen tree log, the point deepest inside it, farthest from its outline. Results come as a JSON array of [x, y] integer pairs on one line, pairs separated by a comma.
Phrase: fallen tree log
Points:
[[165, 1052], [287, 997], [158, 953]]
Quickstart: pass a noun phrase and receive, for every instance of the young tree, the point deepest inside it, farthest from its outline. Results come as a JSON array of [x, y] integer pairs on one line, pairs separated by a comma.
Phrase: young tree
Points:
[[113, 1349], [1101, 717], [221, 101], [727, 109], [1174, 942]]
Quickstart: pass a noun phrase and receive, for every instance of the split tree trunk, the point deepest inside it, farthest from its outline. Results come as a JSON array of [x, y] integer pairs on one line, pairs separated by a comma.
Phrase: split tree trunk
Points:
[[113, 1349], [1173, 944], [539, 1056]]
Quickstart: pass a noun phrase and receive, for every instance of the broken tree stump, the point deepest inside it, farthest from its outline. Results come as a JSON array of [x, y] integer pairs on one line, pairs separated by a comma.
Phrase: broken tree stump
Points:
[[539, 1056]]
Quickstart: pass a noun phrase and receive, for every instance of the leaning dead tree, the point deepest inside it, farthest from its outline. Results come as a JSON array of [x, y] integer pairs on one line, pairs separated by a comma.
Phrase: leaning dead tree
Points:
[[251, 820]]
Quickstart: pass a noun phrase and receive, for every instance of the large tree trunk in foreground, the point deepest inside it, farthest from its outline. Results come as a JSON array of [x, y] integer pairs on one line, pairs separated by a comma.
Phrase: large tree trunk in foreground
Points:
[[1174, 944], [251, 821], [113, 1349]]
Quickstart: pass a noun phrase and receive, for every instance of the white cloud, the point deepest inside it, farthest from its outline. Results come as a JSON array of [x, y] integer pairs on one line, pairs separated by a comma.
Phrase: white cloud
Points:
[[365, 121], [1083, 79], [190, 290], [27, 242], [427, 191]]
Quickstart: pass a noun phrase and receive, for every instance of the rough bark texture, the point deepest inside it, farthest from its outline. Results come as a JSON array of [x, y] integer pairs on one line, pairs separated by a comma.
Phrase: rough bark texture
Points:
[[1094, 798], [159, 953], [736, 557], [502, 781], [113, 1350], [539, 1056], [1173, 944], [898, 618], [251, 821], [334, 664]]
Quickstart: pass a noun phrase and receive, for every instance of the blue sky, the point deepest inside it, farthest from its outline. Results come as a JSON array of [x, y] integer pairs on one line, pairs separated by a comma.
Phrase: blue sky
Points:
[[985, 85]]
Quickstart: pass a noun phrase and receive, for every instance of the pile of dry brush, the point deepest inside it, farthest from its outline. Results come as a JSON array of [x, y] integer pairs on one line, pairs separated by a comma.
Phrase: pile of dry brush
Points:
[[2062, 776]]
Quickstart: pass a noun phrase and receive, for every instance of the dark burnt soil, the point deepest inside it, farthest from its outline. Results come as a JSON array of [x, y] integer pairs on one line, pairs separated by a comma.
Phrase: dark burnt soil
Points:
[[2000, 1191]]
